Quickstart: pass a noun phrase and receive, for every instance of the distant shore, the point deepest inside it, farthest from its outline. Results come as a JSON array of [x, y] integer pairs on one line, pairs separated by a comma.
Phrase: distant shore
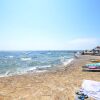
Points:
[[59, 84]]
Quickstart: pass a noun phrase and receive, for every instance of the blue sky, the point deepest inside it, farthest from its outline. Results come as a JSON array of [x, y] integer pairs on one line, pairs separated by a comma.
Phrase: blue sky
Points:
[[49, 24]]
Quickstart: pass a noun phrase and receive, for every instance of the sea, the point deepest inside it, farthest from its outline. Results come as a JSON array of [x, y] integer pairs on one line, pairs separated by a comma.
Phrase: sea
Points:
[[21, 62]]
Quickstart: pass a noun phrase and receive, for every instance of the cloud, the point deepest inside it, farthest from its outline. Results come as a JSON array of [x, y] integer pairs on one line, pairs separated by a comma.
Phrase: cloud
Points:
[[83, 43]]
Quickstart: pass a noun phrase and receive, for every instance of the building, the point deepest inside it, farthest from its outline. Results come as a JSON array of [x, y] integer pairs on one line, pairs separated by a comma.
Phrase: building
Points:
[[96, 51], [87, 52]]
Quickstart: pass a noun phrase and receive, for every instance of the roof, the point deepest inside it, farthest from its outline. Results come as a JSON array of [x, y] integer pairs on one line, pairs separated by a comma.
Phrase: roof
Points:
[[97, 48]]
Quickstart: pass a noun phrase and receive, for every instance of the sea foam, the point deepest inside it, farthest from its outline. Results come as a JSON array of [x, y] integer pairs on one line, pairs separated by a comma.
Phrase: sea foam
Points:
[[17, 63], [68, 61]]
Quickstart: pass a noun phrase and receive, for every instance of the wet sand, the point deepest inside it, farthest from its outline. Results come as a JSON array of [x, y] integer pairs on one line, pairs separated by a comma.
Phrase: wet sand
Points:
[[59, 84]]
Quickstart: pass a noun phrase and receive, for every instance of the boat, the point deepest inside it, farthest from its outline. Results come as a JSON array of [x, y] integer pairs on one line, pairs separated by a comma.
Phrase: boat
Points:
[[93, 68], [93, 64], [95, 60], [77, 54]]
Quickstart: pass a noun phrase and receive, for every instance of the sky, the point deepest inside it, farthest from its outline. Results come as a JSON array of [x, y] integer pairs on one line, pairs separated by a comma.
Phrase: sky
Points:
[[49, 24]]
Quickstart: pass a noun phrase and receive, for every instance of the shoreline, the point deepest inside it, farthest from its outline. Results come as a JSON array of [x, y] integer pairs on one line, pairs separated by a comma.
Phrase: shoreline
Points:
[[60, 84], [41, 70]]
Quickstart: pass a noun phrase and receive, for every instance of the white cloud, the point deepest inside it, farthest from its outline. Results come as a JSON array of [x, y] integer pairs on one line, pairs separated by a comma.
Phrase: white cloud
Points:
[[83, 43], [49, 44]]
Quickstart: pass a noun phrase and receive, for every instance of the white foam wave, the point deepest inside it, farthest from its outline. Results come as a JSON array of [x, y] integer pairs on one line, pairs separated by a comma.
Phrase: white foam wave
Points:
[[11, 56], [45, 66], [26, 59], [68, 61], [20, 71]]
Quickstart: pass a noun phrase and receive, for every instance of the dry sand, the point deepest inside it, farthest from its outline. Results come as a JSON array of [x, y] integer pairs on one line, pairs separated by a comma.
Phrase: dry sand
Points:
[[57, 85]]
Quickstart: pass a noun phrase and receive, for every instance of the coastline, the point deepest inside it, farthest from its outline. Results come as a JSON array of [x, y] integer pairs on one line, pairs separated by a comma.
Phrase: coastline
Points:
[[39, 70], [59, 84]]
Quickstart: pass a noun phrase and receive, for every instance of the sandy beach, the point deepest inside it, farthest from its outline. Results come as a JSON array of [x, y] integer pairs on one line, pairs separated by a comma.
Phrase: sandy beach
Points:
[[59, 84]]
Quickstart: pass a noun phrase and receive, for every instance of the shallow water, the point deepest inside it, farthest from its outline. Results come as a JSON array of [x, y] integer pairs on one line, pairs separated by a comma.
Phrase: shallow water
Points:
[[19, 62]]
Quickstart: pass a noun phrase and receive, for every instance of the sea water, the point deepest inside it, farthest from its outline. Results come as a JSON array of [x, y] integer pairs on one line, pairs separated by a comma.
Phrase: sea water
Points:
[[20, 62]]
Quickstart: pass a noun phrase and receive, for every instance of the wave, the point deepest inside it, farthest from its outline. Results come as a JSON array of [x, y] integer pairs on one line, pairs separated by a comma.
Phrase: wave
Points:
[[43, 67], [26, 59], [36, 69], [17, 63], [20, 71], [68, 61], [10, 56]]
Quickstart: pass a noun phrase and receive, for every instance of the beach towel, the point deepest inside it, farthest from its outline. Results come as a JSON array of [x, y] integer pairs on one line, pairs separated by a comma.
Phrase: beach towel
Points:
[[91, 88]]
